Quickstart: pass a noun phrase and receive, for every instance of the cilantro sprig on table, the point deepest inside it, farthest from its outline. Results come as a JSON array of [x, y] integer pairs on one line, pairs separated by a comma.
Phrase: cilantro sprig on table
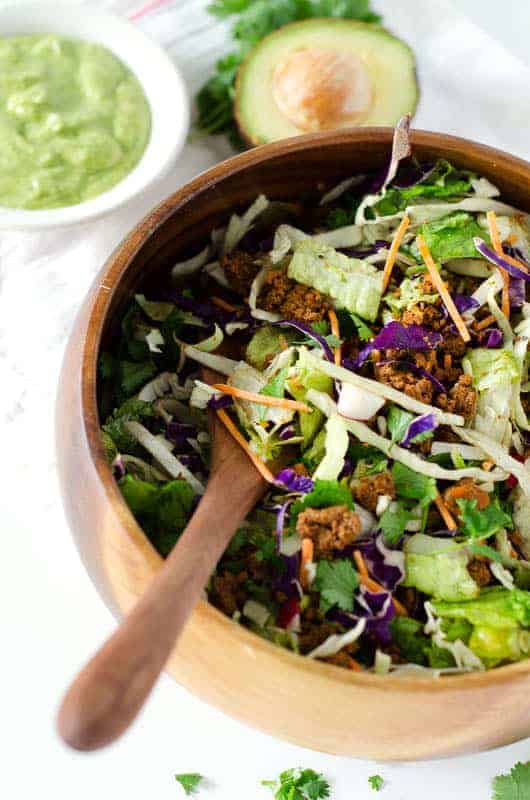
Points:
[[513, 786], [299, 784], [189, 781], [253, 20]]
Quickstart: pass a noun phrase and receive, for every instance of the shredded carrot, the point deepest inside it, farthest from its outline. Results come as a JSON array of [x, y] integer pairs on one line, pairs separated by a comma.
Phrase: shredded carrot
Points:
[[479, 326], [497, 246], [442, 289], [262, 399], [445, 513], [218, 301], [448, 361], [233, 431], [487, 465], [360, 563], [306, 557], [353, 664], [335, 330], [394, 249], [512, 238]]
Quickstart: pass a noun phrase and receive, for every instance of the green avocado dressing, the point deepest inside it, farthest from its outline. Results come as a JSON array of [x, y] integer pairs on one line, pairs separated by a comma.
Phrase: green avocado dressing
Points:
[[74, 121]]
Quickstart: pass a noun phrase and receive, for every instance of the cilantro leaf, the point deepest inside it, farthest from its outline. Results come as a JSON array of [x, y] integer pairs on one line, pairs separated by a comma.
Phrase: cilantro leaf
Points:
[[398, 420], [299, 784], [323, 495], [336, 581], [513, 786], [136, 410], [393, 523], [189, 781], [376, 782], [481, 524], [363, 331], [412, 485]]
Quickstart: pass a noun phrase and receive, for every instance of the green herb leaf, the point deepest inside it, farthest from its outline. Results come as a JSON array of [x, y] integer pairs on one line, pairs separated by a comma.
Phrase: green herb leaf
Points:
[[336, 581], [481, 524], [136, 410], [299, 784], [363, 331], [412, 485], [393, 523], [452, 236], [376, 782], [513, 786], [189, 781]]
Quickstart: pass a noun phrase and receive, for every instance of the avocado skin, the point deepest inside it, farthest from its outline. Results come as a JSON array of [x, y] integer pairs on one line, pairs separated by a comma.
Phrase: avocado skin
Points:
[[252, 141]]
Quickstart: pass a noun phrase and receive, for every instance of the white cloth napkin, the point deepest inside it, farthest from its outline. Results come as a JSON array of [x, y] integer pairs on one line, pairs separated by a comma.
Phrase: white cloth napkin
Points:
[[469, 86]]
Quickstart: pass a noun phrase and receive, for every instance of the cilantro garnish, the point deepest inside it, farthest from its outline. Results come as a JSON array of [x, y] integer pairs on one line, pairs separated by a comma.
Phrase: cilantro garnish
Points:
[[299, 784], [393, 523], [336, 581], [363, 331], [513, 786], [481, 524], [189, 781], [412, 485], [376, 782]]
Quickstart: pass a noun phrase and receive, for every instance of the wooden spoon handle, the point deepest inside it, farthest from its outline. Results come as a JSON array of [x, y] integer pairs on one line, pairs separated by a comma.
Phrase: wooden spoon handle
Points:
[[108, 693]]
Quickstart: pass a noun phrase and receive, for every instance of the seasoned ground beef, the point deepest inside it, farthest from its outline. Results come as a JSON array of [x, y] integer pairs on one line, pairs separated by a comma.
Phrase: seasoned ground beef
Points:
[[227, 592], [342, 659], [369, 489], [329, 528], [425, 314], [405, 381], [240, 269], [314, 633], [462, 398], [292, 300], [480, 572], [465, 489], [453, 344]]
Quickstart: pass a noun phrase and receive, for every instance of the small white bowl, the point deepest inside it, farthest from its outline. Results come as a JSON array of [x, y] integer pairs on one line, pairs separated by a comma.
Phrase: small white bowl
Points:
[[161, 81]]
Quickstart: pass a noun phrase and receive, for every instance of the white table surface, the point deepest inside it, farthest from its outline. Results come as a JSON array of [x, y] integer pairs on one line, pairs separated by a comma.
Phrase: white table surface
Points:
[[52, 617]]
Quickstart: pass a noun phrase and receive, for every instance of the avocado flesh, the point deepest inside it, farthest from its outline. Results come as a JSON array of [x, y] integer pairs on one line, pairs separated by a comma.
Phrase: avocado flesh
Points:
[[386, 63]]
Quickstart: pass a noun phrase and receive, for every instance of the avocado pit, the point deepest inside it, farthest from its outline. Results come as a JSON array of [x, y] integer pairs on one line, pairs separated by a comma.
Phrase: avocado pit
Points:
[[320, 88]]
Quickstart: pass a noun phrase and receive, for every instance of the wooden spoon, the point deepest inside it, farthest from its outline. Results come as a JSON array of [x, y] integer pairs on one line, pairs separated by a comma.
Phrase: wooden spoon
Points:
[[109, 691]]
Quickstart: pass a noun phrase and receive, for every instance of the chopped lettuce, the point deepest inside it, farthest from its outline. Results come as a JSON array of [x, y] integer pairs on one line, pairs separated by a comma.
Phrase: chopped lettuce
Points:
[[452, 236], [416, 647], [443, 182], [302, 378], [315, 452], [498, 617], [493, 373], [352, 283], [265, 344], [114, 427], [438, 567], [163, 511]]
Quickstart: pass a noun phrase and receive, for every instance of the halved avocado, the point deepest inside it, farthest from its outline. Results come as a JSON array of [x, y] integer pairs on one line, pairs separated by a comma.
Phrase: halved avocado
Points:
[[323, 74]]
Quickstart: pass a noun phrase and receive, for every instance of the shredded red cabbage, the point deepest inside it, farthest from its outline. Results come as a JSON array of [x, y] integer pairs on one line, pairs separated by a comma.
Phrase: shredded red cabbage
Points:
[[517, 292], [491, 337], [499, 261], [388, 575], [179, 433], [427, 422], [293, 482], [376, 608], [281, 511], [308, 330], [223, 401], [396, 336]]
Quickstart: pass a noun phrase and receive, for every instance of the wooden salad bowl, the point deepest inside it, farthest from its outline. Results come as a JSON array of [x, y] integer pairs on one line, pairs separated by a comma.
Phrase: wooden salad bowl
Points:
[[311, 703]]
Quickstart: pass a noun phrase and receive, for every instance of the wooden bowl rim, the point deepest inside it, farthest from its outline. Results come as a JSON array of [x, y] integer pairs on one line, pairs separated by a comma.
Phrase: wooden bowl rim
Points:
[[109, 280]]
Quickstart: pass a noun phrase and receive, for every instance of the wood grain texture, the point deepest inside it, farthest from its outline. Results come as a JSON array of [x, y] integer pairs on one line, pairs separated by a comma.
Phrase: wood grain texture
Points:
[[313, 704]]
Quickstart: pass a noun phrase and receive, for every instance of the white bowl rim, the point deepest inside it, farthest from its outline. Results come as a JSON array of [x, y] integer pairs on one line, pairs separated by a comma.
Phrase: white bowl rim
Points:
[[132, 47]]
